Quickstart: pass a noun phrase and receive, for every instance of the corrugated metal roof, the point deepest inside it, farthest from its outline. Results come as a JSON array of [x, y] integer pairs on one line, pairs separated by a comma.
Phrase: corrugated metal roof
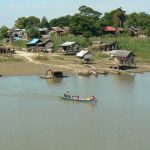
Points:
[[120, 53], [82, 53], [67, 43], [34, 41], [109, 28], [17, 38]]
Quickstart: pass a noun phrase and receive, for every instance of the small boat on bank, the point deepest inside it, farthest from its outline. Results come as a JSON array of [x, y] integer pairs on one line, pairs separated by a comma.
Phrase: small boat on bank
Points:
[[79, 99], [53, 74]]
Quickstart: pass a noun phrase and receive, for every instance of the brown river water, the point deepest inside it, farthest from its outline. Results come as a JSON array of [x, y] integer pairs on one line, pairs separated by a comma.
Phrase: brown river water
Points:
[[34, 117]]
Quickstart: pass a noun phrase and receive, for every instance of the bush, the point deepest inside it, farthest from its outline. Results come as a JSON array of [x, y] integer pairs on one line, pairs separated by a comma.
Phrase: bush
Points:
[[72, 38], [19, 43]]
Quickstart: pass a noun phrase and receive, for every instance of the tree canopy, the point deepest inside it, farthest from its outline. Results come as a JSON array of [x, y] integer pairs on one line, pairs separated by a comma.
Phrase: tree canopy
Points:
[[87, 22], [3, 32]]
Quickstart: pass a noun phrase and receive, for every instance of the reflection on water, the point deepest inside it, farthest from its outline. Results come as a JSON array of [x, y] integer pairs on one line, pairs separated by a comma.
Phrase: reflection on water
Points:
[[91, 105], [126, 78], [54, 81]]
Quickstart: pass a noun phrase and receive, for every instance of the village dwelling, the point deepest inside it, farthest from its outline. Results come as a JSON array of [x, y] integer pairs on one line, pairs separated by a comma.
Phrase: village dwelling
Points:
[[57, 30], [134, 31], [45, 46], [6, 49], [104, 46], [44, 33], [19, 34], [112, 30], [86, 57], [122, 59], [69, 48], [32, 45]]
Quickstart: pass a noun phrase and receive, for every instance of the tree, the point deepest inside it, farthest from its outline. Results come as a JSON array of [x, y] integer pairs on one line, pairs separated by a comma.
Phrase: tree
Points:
[[114, 18], [21, 23], [141, 20], [61, 21], [119, 17], [24, 22], [86, 22], [83, 25], [44, 23], [87, 11], [33, 33], [33, 22], [3, 32]]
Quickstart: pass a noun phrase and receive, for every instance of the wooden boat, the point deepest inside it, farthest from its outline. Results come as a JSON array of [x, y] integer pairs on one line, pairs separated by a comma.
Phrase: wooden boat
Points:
[[79, 100], [51, 77], [53, 74]]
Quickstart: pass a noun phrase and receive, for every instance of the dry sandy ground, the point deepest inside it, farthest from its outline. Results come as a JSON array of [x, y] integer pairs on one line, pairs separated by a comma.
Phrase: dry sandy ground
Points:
[[30, 66]]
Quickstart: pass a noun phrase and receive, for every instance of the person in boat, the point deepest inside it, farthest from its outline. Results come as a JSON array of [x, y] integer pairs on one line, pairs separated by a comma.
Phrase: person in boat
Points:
[[48, 72], [76, 97], [67, 94], [93, 97]]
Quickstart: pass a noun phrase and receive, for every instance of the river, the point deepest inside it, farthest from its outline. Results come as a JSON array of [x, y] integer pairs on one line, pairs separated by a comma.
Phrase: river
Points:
[[34, 117]]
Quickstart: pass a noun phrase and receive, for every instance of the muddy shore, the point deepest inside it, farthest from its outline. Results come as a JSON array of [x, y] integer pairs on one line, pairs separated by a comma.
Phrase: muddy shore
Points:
[[28, 68]]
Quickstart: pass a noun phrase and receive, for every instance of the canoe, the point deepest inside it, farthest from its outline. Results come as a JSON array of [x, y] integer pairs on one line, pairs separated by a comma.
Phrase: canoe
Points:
[[80, 100]]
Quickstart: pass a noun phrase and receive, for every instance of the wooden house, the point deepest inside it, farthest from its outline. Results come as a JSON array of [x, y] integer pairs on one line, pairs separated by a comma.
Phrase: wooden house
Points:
[[122, 59], [104, 46], [45, 46], [134, 31], [69, 48], [112, 30], [19, 34], [85, 57], [57, 30]]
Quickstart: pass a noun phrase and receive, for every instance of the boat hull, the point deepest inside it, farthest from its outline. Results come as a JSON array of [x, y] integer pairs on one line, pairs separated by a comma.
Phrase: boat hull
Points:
[[78, 100]]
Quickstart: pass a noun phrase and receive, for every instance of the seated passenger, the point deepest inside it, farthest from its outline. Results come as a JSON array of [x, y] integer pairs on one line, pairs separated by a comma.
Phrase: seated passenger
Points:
[[93, 98]]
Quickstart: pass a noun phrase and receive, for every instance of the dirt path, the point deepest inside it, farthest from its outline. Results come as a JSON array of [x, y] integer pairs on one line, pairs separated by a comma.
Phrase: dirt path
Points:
[[30, 57]]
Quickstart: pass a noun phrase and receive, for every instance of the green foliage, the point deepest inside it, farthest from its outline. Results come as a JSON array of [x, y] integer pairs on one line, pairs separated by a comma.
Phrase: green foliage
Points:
[[19, 43], [3, 32], [10, 59], [87, 11], [115, 18], [44, 23], [101, 55], [83, 25], [61, 21], [33, 33], [29, 22], [141, 47], [21, 23], [59, 40], [141, 20]]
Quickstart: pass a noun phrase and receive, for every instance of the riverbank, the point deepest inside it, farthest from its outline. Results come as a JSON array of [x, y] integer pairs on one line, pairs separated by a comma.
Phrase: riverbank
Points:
[[67, 64]]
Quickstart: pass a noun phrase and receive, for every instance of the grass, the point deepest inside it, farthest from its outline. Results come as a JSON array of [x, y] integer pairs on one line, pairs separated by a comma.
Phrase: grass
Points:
[[141, 47], [42, 57], [19, 43], [101, 56], [58, 57], [10, 59], [72, 38]]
